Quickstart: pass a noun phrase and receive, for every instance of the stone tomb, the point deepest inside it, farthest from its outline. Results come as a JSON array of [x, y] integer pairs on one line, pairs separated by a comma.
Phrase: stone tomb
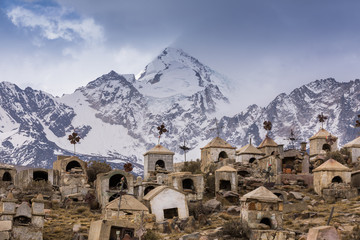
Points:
[[355, 180], [158, 160], [354, 148], [190, 184], [7, 174], [318, 143], [226, 179], [329, 172], [269, 147], [248, 154], [129, 205], [165, 203], [25, 177], [73, 176], [217, 150], [108, 185], [112, 229], [261, 209], [26, 222], [141, 188]]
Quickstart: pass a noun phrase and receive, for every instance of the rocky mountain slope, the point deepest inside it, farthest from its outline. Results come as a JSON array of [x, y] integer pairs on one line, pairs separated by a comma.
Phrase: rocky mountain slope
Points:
[[117, 115]]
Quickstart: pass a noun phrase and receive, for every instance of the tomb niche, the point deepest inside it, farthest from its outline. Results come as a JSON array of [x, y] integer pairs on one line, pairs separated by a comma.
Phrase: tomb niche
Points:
[[248, 154], [7, 174], [226, 179], [261, 207], [166, 202], [192, 185], [158, 160], [108, 185], [328, 173], [217, 150], [319, 143], [353, 148]]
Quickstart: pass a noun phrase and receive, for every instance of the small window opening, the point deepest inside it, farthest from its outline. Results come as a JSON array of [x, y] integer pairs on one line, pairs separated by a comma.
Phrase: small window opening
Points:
[[148, 189], [251, 160], [115, 182], [326, 147], [113, 197], [222, 155], [7, 177], [22, 220], [225, 185], [280, 196], [266, 221], [74, 167], [159, 164], [188, 184], [170, 213], [40, 176], [120, 232], [337, 179]]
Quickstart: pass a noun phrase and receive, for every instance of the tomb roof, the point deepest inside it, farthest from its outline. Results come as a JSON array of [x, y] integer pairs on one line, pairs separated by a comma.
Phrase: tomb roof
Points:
[[23, 210], [353, 144], [267, 142], [159, 149], [154, 192], [128, 202], [262, 194], [249, 149], [226, 169], [321, 134], [6, 166], [218, 142], [332, 165]]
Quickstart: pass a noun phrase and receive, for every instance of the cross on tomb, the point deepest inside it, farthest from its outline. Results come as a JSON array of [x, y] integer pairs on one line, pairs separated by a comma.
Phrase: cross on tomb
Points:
[[322, 118], [184, 148], [217, 128]]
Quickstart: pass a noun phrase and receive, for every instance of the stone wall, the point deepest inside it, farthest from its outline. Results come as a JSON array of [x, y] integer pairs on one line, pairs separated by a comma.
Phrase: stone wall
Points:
[[322, 179], [23, 178], [150, 163], [226, 176], [316, 146], [176, 180], [211, 155], [272, 235], [102, 184], [168, 199]]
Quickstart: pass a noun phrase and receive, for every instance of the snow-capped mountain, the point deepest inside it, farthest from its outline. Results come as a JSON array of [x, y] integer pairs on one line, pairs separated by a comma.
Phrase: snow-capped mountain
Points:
[[117, 115]]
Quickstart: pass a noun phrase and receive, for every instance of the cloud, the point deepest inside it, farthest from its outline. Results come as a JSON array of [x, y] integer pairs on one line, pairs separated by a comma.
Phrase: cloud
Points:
[[54, 25]]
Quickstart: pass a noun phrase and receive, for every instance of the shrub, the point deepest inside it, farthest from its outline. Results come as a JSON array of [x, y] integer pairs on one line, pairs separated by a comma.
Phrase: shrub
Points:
[[96, 167], [210, 184], [39, 186], [151, 235], [234, 229], [192, 166], [356, 233], [81, 209], [341, 156]]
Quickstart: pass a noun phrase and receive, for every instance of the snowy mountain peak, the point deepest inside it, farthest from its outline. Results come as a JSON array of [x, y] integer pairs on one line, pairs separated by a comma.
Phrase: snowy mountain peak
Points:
[[175, 72]]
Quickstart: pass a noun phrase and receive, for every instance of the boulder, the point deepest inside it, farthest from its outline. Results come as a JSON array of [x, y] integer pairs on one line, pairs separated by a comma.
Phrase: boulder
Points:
[[192, 236], [323, 232], [212, 205], [296, 195], [233, 210]]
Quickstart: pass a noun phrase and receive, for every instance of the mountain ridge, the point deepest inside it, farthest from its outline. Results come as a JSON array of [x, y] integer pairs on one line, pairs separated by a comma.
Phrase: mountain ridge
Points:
[[117, 119]]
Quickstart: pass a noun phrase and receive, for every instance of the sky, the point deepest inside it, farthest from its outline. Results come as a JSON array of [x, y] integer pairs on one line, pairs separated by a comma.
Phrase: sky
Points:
[[265, 47]]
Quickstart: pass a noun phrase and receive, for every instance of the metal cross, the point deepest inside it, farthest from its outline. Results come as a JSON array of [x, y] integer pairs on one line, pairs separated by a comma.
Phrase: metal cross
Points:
[[217, 128]]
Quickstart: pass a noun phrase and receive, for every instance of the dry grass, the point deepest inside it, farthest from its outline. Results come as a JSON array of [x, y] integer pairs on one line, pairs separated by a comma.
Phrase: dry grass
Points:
[[59, 223]]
